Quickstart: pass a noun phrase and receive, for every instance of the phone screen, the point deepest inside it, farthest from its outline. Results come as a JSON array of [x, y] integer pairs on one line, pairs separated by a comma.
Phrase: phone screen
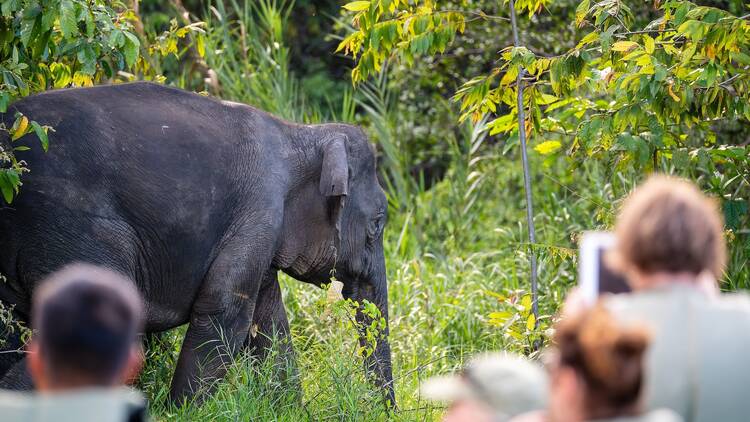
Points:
[[595, 276]]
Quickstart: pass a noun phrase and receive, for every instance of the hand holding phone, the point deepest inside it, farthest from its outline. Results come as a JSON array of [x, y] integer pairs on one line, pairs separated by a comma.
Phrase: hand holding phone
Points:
[[595, 277]]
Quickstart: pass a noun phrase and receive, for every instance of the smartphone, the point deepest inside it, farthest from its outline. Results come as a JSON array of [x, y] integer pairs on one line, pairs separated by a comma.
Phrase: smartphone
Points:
[[595, 277]]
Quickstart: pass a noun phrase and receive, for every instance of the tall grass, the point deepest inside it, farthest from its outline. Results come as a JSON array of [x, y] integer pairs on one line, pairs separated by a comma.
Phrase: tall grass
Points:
[[246, 48], [455, 253]]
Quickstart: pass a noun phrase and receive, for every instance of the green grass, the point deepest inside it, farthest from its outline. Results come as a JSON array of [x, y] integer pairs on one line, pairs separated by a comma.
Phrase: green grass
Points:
[[441, 268], [440, 272], [456, 253]]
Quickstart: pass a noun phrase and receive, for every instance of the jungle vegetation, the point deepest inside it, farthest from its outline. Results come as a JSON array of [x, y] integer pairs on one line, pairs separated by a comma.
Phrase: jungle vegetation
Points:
[[614, 91]]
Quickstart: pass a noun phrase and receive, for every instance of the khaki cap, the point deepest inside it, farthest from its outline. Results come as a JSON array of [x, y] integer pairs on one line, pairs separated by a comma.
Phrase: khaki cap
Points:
[[510, 385]]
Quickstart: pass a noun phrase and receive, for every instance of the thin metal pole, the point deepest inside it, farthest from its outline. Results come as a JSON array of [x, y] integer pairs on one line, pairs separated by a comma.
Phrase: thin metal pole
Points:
[[526, 175]]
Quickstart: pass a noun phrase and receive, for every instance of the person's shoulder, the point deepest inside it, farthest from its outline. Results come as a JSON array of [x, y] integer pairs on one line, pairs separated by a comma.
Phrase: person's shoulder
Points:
[[659, 415], [124, 403], [15, 405], [735, 301], [101, 405], [637, 305], [662, 415]]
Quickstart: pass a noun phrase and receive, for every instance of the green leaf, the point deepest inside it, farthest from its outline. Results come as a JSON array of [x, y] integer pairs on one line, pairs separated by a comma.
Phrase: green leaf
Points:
[[4, 101], [502, 124], [130, 50], [546, 99], [8, 184], [41, 133], [68, 21], [7, 192], [87, 57], [357, 6], [733, 213]]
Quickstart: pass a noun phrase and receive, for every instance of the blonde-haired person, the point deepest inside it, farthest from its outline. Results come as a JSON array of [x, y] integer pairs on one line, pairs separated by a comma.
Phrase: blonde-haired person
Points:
[[669, 232], [670, 246]]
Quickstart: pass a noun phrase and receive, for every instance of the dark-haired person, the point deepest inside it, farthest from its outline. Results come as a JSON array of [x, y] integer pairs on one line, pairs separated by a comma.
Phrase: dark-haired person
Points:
[[84, 348], [670, 245], [596, 372]]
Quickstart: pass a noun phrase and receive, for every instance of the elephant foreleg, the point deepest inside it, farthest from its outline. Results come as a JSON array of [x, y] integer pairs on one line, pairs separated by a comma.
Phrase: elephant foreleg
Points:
[[211, 341], [220, 320], [269, 332]]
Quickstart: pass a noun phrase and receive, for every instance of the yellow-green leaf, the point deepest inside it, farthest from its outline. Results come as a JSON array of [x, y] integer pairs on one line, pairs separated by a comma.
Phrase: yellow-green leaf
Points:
[[497, 296], [514, 334], [546, 99], [531, 322], [21, 126], [671, 93], [548, 147], [357, 6], [500, 316], [624, 46], [588, 39], [649, 44], [526, 302], [200, 45], [581, 11]]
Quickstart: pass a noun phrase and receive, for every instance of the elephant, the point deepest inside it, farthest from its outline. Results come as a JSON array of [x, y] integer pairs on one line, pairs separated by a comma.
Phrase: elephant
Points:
[[201, 202]]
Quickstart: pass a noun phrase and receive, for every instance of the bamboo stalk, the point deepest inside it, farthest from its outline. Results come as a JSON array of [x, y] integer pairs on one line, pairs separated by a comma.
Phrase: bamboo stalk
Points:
[[526, 174]]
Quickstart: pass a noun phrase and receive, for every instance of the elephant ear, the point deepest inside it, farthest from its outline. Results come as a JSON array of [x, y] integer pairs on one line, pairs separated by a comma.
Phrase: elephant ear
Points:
[[334, 175]]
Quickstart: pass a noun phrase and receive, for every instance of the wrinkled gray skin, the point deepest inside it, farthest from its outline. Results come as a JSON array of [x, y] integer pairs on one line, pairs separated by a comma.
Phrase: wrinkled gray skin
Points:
[[201, 203]]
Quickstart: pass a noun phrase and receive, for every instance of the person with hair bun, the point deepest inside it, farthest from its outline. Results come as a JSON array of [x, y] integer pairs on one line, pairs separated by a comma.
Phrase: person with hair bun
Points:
[[596, 372]]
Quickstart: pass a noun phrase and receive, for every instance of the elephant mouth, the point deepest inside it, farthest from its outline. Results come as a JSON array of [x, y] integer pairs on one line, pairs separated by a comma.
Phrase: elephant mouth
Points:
[[310, 276]]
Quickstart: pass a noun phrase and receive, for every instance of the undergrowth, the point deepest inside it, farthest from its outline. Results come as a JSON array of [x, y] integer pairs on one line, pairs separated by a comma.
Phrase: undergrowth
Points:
[[456, 252]]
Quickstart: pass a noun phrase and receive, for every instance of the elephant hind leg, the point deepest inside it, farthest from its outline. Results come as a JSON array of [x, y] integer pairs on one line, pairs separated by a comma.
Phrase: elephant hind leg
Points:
[[17, 377]]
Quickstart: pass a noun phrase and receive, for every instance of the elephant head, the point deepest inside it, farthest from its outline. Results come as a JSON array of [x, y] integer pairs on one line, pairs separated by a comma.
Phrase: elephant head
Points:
[[334, 218]]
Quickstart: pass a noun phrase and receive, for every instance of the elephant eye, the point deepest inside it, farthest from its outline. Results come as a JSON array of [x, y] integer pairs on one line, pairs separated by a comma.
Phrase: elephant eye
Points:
[[375, 228]]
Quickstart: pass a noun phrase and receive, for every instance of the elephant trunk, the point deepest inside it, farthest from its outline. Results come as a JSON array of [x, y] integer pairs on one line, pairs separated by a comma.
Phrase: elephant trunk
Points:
[[377, 361]]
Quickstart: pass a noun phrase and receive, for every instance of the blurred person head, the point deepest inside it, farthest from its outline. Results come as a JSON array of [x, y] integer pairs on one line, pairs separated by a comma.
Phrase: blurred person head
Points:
[[596, 368], [668, 230], [492, 388], [86, 324]]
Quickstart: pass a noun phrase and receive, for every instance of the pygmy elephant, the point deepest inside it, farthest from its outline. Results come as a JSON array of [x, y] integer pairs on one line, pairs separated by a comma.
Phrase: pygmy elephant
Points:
[[200, 202]]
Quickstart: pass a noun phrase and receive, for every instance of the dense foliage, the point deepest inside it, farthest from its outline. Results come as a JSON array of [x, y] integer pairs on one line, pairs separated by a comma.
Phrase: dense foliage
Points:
[[55, 44], [46, 44], [648, 89]]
